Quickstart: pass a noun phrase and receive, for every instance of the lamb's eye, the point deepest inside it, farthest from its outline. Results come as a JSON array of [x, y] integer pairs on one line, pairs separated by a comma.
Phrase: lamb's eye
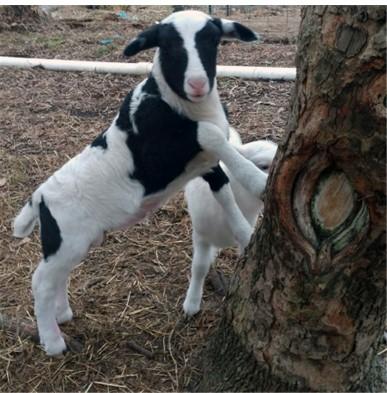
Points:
[[264, 167]]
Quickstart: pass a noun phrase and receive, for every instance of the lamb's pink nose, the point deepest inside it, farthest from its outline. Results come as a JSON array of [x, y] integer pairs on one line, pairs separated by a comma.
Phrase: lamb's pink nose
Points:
[[197, 84]]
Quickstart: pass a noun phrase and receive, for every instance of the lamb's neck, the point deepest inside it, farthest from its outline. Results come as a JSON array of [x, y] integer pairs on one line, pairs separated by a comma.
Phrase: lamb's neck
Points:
[[208, 110]]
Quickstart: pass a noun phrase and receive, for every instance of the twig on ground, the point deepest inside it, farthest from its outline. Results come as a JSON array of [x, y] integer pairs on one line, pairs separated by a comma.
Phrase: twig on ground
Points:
[[143, 351], [28, 330]]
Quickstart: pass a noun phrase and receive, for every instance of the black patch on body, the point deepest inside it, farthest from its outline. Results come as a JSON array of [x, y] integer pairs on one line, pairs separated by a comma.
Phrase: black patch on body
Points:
[[151, 87], [123, 121], [206, 42], [216, 178], [100, 141], [49, 231], [218, 23], [165, 143], [173, 58]]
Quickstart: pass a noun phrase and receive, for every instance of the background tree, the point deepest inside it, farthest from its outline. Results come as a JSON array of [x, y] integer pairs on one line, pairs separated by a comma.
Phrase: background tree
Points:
[[306, 309]]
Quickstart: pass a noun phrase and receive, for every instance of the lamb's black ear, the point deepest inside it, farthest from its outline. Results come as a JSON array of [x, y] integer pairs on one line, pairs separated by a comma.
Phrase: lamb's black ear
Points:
[[147, 39], [234, 30]]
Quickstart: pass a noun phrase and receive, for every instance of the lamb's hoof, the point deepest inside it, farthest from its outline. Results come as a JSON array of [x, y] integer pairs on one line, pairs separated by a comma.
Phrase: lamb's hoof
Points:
[[64, 316], [56, 347], [191, 307]]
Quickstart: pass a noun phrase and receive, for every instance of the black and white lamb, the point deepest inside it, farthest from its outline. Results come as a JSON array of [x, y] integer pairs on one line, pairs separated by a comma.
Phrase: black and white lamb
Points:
[[170, 129]]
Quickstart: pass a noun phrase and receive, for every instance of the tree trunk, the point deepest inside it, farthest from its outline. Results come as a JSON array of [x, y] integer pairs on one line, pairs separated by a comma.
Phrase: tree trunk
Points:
[[306, 309]]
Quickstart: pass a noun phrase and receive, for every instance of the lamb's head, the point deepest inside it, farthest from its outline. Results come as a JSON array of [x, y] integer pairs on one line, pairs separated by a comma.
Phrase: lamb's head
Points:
[[187, 43], [261, 153]]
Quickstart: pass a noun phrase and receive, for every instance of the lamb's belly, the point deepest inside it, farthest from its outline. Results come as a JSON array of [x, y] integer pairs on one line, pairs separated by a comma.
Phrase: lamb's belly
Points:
[[147, 207], [118, 204], [200, 165]]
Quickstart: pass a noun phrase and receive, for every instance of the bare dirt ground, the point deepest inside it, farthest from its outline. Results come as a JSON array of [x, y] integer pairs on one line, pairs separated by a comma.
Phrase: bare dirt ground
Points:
[[131, 288]]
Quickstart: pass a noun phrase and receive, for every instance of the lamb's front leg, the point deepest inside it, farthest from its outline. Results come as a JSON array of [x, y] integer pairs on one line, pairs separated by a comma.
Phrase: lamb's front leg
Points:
[[212, 140], [203, 256], [221, 190]]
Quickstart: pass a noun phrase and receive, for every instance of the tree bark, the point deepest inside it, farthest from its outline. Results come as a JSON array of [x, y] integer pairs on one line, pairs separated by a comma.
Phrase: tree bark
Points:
[[306, 308]]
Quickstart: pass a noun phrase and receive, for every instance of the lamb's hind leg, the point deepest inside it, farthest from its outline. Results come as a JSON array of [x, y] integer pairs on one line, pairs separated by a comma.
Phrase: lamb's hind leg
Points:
[[49, 281], [63, 311]]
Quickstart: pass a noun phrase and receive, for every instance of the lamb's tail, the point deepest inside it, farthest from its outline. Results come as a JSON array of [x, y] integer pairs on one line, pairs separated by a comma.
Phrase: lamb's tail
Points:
[[26, 220]]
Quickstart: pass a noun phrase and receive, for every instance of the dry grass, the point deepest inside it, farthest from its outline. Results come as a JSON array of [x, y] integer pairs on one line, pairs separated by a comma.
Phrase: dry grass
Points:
[[131, 288]]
